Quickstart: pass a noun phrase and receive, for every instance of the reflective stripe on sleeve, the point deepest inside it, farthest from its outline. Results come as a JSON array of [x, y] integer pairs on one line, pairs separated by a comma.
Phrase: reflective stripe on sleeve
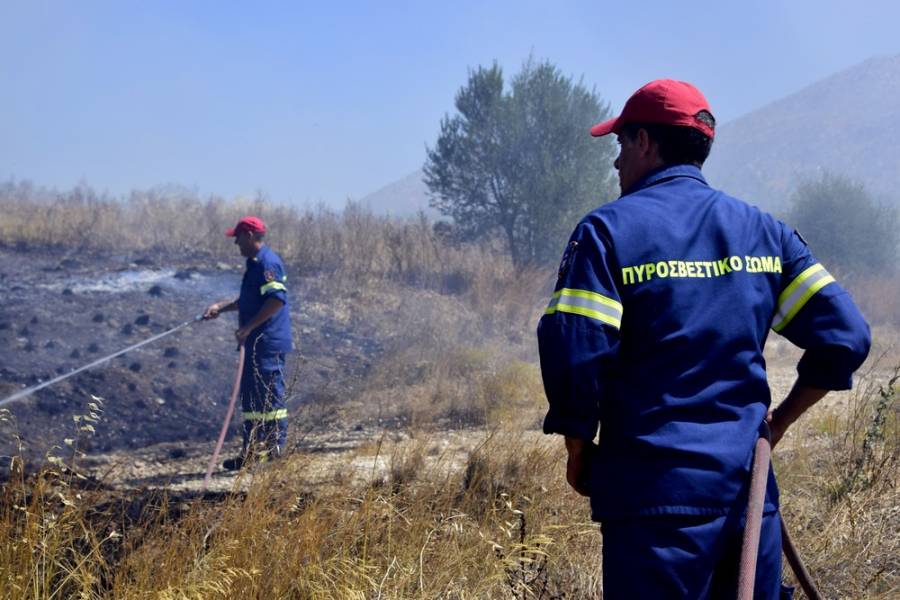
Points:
[[587, 304], [272, 285], [797, 294], [272, 415]]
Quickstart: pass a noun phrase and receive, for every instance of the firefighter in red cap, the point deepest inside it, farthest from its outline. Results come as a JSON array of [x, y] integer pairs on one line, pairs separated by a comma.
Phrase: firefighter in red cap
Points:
[[655, 334], [265, 332]]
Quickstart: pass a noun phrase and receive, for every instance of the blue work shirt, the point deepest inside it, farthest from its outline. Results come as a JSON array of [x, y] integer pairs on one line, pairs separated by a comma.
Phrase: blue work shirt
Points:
[[655, 334], [265, 278]]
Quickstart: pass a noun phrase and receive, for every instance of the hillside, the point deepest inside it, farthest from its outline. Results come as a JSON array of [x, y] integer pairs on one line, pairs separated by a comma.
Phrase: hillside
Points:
[[404, 197], [848, 123]]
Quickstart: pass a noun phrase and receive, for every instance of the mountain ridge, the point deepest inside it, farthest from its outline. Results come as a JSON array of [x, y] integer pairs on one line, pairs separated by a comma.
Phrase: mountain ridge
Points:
[[845, 124]]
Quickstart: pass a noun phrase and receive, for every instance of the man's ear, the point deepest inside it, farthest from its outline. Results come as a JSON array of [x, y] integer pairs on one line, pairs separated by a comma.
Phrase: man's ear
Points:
[[643, 141], [647, 145]]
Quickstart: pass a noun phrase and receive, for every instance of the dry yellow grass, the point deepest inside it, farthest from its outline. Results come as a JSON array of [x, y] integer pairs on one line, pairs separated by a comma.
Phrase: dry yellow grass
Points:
[[498, 524], [355, 245], [840, 491], [494, 528], [495, 520]]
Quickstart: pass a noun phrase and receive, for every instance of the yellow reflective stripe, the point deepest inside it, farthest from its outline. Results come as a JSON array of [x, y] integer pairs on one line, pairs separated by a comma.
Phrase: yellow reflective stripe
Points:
[[806, 274], [272, 415], [587, 304], [594, 296], [272, 285], [797, 294], [586, 312]]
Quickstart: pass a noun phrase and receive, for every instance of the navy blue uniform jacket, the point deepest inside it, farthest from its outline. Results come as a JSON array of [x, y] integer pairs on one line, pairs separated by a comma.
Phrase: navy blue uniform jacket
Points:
[[655, 334], [265, 278]]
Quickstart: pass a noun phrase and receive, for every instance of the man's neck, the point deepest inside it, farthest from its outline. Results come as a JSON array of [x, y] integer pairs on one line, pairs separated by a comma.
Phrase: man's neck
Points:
[[256, 248]]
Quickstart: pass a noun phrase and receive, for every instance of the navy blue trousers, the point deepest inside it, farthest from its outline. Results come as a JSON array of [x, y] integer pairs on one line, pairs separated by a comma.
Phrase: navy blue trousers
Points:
[[262, 400], [687, 556]]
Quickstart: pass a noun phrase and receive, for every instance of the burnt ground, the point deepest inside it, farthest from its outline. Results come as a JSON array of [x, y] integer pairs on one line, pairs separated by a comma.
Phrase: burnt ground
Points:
[[163, 404], [63, 309]]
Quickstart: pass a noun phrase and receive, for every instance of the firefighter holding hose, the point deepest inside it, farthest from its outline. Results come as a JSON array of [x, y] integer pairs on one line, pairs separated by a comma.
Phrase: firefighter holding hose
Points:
[[265, 332], [654, 335]]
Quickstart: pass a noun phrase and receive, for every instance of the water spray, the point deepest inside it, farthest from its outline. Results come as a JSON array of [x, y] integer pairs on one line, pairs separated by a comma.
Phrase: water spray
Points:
[[28, 391]]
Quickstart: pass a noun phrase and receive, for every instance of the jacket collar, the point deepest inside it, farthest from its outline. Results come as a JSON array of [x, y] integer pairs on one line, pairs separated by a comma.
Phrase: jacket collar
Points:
[[259, 255], [664, 174]]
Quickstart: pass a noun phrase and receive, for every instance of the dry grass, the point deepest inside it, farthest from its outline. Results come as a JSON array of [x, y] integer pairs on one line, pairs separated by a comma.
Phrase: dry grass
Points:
[[840, 492], [497, 522], [355, 245], [458, 387], [502, 525], [493, 521]]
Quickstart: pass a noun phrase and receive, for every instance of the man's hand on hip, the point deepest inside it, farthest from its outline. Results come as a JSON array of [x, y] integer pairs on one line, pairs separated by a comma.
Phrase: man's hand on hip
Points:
[[578, 465], [798, 401]]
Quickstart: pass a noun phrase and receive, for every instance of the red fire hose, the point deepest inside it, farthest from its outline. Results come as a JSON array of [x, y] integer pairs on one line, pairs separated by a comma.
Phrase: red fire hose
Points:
[[229, 413], [750, 547]]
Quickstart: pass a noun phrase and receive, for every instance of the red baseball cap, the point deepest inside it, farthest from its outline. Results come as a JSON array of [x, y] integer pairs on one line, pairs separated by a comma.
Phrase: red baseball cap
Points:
[[253, 224], [663, 101]]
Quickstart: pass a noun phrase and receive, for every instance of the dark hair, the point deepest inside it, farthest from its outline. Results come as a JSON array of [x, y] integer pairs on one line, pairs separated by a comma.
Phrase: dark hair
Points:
[[678, 145]]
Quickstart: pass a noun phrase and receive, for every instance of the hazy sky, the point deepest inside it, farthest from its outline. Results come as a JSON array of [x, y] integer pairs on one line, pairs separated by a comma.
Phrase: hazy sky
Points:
[[319, 101]]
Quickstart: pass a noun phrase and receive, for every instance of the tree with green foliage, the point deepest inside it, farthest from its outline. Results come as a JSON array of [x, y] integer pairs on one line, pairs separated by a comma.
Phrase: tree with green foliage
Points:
[[521, 161], [844, 226]]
